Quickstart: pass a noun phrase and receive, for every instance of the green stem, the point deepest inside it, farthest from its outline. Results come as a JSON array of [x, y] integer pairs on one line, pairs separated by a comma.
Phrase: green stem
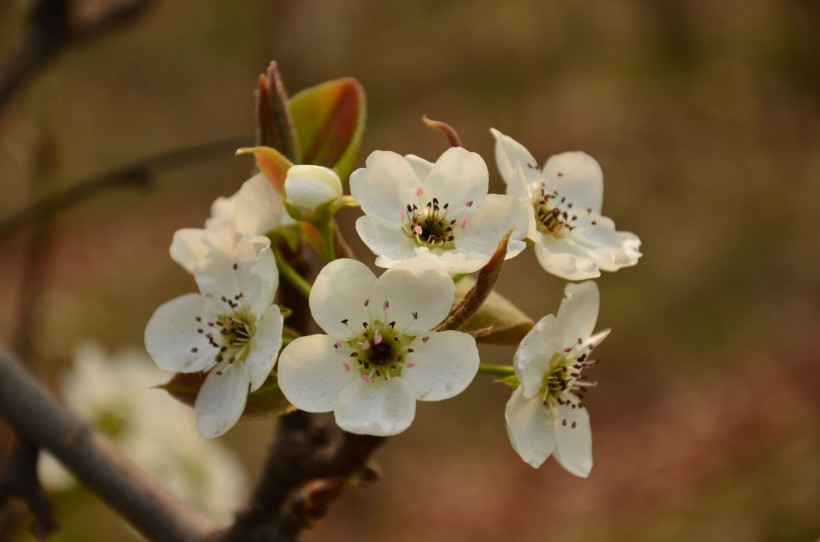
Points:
[[495, 370], [291, 275], [326, 233]]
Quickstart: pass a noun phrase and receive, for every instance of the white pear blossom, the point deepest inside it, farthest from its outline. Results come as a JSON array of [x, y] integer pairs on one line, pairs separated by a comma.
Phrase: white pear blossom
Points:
[[231, 328], [380, 354], [437, 211], [256, 208], [112, 393], [309, 187], [572, 239], [546, 413]]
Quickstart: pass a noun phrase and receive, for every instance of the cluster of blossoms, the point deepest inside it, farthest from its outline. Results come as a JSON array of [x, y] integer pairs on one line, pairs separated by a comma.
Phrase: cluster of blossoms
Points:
[[387, 343]]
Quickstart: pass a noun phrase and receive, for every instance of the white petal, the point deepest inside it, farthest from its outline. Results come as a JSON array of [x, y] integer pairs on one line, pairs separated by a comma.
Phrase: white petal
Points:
[[385, 186], [379, 408], [338, 297], [574, 440], [264, 347], [221, 401], [312, 372], [453, 261], [564, 258], [246, 267], [187, 248], [443, 365], [258, 207], [490, 223], [610, 249], [530, 428], [421, 166], [517, 166], [172, 338], [532, 359], [578, 177], [417, 294], [386, 239], [578, 312], [460, 178], [222, 213], [596, 339]]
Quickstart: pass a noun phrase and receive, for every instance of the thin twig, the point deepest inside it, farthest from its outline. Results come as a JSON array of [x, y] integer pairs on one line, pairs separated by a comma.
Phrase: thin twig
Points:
[[36, 416], [137, 174], [51, 29]]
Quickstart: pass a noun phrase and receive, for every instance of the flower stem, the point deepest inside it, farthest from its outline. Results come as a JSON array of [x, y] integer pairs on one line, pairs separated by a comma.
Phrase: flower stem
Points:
[[326, 233], [291, 275], [495, 370]]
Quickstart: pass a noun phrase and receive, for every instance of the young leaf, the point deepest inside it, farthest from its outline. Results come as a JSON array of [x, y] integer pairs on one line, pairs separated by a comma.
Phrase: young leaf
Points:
[[274, 127], [267, 401], [329, 121], [508, 324], [272, 163]]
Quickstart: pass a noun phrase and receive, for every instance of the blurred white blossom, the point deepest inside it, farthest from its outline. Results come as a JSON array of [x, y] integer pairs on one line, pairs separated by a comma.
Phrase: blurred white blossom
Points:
[[256, 208], [113, 394]]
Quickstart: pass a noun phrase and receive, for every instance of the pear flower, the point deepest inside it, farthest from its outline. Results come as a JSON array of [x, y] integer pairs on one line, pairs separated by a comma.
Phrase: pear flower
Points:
[[255, 208], [572, 239], [380, 354], [112, 392], [231, 328], [437, 211], [546, 413], [308, 188]]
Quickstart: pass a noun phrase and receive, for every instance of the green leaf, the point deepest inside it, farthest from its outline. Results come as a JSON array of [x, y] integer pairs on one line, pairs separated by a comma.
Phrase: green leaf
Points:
[[509, 325], [329, 121], [267, 401]]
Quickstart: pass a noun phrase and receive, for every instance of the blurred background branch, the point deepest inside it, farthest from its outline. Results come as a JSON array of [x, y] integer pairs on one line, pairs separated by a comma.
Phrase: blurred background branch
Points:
[[39, 419], [137, 174], [53, 25]]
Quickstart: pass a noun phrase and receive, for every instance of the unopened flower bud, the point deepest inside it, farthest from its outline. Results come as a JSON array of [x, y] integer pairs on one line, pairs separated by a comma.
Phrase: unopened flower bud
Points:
[[309, 187]]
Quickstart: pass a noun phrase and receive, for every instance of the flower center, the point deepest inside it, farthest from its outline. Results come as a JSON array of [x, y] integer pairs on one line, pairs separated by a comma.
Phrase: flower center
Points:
[[379, 352], [429, 225], [563, 384], [230, 333], [554, 215]]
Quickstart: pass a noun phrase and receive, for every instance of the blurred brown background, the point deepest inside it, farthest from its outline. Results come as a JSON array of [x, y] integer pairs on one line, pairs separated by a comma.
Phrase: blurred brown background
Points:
[[706, 119]]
